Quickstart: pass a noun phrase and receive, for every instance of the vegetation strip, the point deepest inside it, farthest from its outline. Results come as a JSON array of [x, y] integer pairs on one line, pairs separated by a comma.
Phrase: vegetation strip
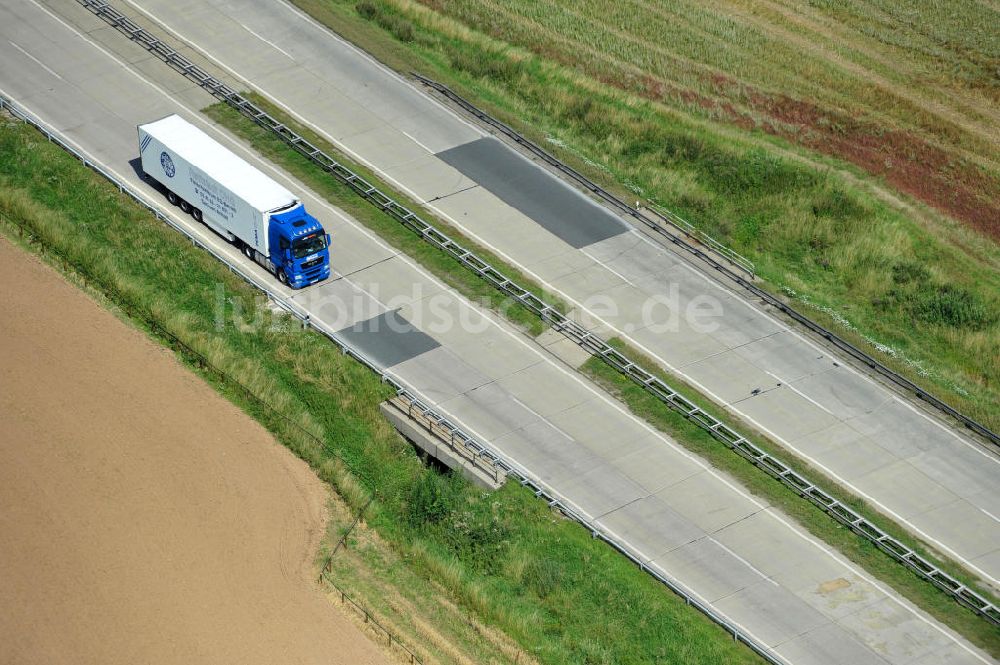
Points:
[[740, 444], [757, 292], [504, 555]]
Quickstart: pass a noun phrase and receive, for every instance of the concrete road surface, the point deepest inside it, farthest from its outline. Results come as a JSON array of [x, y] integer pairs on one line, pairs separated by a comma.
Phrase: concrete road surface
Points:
[[780, 585], [941, 486]]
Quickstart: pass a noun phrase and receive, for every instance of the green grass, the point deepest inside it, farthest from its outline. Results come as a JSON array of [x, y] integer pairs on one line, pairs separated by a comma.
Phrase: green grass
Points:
[[823, 231], [585, 604], [445, 267], [692, 437]]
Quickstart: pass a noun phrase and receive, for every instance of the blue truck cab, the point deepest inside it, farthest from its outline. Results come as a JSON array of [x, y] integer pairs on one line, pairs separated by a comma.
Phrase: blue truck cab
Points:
[[299, 247]]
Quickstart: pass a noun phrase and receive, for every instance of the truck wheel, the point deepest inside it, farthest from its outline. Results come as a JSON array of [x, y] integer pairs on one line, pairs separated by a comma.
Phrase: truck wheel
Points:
[[247, 251], [282, 277], [196, 214], [173, 198], [185, 206]]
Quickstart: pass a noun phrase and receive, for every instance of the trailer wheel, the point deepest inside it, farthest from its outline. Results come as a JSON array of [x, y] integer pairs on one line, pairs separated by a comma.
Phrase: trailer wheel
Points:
[[185, 207], [196, 214], [247, 251], [282, 277], [173, 198]]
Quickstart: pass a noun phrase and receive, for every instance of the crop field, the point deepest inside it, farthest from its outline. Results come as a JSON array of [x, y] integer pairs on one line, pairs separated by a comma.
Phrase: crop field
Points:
[[905, 90], [139, 505], [843, 147]]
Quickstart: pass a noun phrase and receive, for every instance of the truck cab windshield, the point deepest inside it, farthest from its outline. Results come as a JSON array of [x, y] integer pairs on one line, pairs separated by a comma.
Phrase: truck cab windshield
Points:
[[310, 244]]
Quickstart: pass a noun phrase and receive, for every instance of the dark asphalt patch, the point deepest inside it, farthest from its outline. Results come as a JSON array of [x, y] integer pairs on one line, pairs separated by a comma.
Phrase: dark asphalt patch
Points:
[[560, 209], [388, 339]]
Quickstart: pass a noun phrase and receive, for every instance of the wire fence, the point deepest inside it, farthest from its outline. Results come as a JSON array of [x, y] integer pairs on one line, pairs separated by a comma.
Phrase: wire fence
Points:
[[325, 575], [442, 427], [347, 532], [586, 339], [391, 639]]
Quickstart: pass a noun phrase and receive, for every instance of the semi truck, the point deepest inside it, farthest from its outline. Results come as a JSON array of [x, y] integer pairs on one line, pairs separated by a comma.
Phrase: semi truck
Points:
[[237, 201]]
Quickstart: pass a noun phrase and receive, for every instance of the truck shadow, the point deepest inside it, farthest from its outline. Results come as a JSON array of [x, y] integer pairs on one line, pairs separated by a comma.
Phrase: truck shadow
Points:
[[136, 165]]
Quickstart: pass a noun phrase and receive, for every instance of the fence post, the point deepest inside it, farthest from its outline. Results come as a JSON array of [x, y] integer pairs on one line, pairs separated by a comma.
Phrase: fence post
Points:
[[357, 519]]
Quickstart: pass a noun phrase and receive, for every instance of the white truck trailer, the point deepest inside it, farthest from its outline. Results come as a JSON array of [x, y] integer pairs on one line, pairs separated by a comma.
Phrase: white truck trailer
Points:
[[234, 199]]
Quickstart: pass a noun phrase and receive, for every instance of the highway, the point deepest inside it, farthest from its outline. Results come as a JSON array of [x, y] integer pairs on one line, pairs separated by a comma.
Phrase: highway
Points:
[[743, 557], [942, 486]]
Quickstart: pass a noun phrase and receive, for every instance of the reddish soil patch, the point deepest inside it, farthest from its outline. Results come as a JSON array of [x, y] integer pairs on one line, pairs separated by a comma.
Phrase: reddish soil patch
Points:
[[906, 161], [144, 519]]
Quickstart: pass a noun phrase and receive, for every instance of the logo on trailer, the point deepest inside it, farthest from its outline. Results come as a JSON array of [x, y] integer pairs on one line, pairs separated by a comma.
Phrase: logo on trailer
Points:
[[167, 164]]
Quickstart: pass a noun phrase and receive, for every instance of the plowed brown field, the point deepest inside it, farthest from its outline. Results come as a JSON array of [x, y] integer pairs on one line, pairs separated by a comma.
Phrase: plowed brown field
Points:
[[143, 518]]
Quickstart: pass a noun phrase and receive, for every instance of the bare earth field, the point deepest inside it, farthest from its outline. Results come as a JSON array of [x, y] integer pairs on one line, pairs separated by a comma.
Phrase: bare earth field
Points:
[[143, 518]]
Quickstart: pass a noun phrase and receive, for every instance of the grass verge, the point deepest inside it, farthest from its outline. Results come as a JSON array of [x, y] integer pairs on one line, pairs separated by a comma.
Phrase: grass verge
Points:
[[821, 525], [904, 281], [503, 557]]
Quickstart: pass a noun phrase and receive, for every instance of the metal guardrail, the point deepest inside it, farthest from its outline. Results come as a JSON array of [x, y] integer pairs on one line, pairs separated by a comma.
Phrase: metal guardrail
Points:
[[586, 339], [442, 425], [662, 218], [731, 256]]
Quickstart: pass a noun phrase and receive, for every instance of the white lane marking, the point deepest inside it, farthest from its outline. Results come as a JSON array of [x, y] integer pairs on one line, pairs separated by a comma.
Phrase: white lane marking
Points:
[[745, 562], [544, 419], [35, 60], [800, 393], [610, 269], [267, 41], [411, 137], [468, 231], [650, 562], [990, 515], [489, 316]]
